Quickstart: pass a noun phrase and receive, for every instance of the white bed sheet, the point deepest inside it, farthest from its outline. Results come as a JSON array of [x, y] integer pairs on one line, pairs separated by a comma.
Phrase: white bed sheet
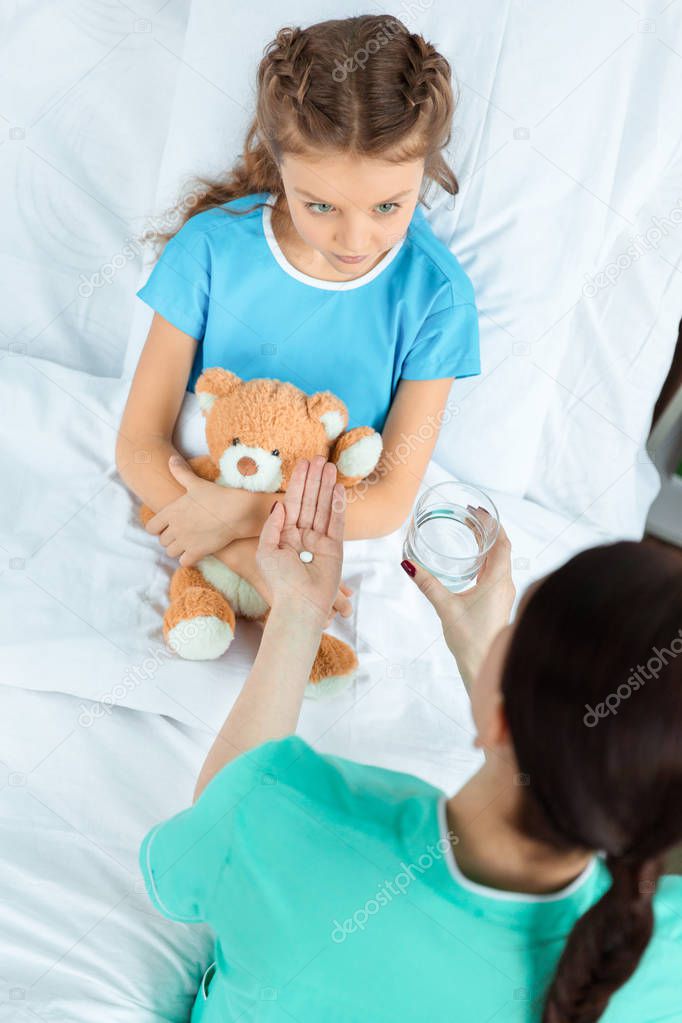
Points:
[[102, 138], [79, 940]]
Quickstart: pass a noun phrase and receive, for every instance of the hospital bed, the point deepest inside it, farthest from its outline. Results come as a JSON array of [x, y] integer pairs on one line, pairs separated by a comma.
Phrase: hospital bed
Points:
[[569, 222]]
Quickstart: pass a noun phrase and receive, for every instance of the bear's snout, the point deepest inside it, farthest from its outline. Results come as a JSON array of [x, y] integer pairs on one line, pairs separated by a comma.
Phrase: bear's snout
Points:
[[247, 466]]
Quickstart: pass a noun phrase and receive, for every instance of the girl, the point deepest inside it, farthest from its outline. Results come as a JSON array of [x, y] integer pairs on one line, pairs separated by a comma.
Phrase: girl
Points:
[[312, 262], [343, 892]]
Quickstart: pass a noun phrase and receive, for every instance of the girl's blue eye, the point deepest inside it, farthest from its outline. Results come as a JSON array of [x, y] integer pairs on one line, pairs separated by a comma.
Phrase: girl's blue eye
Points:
[[328, 205], [325, 207]]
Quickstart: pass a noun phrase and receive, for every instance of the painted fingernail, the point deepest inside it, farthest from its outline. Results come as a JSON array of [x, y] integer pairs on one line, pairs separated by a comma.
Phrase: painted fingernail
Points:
[[409, 568]]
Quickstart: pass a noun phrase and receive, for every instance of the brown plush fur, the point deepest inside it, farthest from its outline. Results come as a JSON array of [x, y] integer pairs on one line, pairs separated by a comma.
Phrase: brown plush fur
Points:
[[275, 415]]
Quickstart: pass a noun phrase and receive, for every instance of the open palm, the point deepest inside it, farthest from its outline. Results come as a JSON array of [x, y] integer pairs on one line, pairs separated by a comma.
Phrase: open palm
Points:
[[311, 518]]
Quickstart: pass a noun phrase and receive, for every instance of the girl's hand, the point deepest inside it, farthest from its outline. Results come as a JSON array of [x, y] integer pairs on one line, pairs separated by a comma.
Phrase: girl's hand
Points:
[[310, 518], [202, 521], [342, 604], [472, 619]]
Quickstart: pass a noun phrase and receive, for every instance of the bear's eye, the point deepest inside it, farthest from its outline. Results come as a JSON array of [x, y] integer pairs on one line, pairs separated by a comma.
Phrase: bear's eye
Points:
[[276, 451], [235, 440]]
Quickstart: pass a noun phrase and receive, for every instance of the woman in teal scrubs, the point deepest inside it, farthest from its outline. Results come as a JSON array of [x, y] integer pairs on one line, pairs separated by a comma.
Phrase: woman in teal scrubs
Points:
[[342, 893]]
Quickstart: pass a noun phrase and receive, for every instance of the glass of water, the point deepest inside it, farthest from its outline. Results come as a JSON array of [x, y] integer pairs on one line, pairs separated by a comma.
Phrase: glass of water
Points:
[[452, 528]]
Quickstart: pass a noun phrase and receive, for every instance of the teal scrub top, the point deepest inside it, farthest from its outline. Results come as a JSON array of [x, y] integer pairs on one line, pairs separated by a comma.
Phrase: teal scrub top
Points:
[[224, 280], [334, 896]]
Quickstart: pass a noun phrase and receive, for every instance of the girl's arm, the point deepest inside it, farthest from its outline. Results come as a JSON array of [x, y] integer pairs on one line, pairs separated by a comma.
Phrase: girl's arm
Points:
[[144, 447], [384, 500]]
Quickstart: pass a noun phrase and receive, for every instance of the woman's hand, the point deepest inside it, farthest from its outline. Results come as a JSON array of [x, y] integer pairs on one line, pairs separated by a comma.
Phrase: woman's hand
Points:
[[240, 556], [204, 520], [310, 518], [472, 619]]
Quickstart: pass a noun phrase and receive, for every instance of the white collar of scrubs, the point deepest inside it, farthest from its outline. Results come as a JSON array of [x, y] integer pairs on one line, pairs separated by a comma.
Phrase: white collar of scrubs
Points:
[[496, 893]]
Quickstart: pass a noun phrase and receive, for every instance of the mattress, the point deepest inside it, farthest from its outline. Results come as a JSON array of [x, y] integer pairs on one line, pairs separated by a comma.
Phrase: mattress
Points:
[[568, 148]]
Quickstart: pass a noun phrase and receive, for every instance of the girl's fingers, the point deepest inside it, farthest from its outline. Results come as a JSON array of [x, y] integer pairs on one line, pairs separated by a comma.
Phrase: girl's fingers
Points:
[[294, 492], [324, 498], [182, 471], [342, 603], [157, 524], [343, 606], [310, 492]]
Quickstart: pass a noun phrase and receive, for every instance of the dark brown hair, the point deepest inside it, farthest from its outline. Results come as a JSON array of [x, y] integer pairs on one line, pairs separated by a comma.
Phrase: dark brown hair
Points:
[[363, 85], [610, 776]]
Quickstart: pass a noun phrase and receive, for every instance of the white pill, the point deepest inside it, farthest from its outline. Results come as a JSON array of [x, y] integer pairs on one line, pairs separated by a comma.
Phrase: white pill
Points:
[[306, 556]]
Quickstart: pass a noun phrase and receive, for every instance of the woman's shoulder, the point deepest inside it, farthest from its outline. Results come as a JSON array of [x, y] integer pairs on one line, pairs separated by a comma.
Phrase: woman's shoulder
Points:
[[337, 787], [652, 992], [437, 262], [668, 909], [284, 787], [303, 767]]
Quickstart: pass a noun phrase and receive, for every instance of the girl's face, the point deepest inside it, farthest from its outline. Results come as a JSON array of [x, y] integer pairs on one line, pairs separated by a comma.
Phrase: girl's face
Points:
[[349, 209]]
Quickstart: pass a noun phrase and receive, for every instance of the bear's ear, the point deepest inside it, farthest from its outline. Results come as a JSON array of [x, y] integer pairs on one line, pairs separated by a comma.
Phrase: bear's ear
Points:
[[214, 383], [330, 411]]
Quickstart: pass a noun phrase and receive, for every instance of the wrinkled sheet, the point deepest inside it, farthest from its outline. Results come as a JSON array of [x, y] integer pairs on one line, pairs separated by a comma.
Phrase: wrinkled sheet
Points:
[[567, 145]]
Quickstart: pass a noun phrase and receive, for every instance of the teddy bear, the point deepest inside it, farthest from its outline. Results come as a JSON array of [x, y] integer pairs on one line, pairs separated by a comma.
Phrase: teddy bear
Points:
[[256, 431]]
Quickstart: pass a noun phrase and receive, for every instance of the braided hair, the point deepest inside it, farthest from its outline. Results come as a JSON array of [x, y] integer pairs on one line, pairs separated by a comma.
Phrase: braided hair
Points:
[[612, 778], [606, 943], [363, 85]]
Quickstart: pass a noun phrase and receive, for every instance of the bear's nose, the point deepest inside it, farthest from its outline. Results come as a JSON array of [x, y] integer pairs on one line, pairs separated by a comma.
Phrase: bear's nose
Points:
[[247, 466]]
